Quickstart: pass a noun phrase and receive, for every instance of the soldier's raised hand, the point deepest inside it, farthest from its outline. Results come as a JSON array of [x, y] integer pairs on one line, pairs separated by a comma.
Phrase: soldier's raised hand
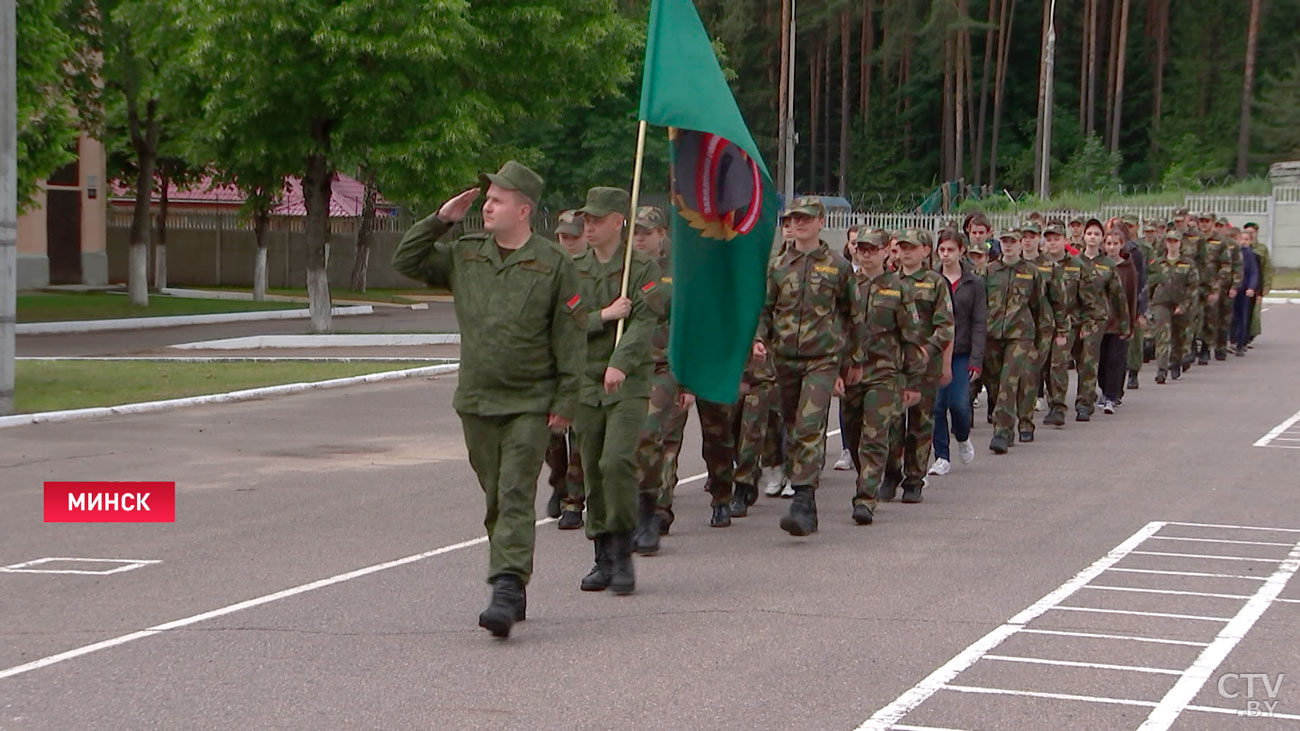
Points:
[[454, 210]]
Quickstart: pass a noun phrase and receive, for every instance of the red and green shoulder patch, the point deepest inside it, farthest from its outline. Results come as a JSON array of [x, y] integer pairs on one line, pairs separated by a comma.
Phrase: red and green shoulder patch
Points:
[[648, 287], [573, 302]]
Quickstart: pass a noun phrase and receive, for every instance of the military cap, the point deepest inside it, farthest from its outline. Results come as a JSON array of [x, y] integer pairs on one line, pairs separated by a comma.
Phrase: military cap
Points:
[[651, 217], [1129, 219], [1054, 228], [873, 239], [910, 236], [1011, 233], [515, 176], [807, 205], [982, 248], [1173, 235], [1030, 227], [1222, 221], [1233, 231], [1251, 224], [1076, 219], [602, 201], [1182, 211], [569, 223], [1149, 224], [1170, 225], [1205, 216]]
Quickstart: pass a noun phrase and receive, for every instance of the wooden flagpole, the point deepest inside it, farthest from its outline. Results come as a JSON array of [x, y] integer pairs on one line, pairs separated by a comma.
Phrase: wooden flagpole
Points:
[[631, 221]]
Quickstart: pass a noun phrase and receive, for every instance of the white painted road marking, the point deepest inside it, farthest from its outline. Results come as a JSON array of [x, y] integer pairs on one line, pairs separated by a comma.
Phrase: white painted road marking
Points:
[[1278, 431], [125, 564]]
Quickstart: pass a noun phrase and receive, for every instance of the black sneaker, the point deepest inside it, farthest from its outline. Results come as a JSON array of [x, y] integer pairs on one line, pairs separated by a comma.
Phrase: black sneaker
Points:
[[1055, 418], [721, 516], [862, 514], [998, 445], [1082, 414], [570, 520], [1026, 437], [911, 494], [1160, 378], [1220, 354], [1175, 372], [1133, 380]]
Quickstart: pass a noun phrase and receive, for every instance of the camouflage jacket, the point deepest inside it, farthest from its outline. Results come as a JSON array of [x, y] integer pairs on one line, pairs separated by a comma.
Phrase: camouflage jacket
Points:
[[522, 320], [812, 305], [1195, 251], [1081, 297], [1018, 306], [1216, 270], [659, 338], [1174, 283], [935, 324], [1108, 291], [1238, 267], [892, 346], [600, 284], [1053, 279]]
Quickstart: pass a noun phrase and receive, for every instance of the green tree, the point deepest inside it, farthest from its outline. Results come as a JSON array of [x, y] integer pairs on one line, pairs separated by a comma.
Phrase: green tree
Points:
[[417, 89], [1092, 168]]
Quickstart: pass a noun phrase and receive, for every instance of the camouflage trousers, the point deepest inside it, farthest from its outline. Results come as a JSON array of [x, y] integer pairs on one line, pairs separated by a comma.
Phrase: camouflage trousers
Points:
[[910, 434], [1209, 329], [1223, 324], [752, 428], [1086, 359], [1058, 371], [870, 409], [565, 465], [1135, 345], [1006, 362], [661, 440], [1030, 386], [1170, 330], [1254, 318], [805, 385], [1184, 345]]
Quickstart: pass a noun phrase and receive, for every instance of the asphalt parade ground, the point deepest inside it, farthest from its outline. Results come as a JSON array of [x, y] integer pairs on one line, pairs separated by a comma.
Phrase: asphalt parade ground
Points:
[[326, 569]]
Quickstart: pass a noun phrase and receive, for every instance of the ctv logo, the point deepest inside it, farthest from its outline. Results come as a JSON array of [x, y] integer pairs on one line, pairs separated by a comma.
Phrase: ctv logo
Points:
[[110, 502], [1259, 689]]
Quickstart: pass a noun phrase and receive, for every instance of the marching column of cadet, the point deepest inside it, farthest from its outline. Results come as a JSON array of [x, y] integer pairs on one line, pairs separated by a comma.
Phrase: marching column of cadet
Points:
[[546, 373]]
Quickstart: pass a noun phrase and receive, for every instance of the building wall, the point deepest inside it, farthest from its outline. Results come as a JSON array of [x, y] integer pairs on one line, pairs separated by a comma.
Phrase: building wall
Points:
[[33, 226], [33, 264]]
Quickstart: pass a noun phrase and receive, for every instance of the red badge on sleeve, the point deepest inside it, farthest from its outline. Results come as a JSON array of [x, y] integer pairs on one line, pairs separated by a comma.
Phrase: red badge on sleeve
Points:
[[574, 301], [647, 287]]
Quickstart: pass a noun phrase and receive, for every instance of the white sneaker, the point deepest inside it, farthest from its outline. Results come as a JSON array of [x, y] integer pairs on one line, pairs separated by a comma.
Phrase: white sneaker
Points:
[[976, 403], [772, 482], [1040, 404], [941, 466], [787, 490], [1108, 407], [966, 450], [845, 462]]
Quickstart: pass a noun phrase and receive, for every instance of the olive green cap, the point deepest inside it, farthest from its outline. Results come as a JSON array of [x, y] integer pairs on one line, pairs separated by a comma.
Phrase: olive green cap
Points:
[[1054, 228], [1129, 219], [1030, 227], [518, 177], [911, 236], [1011, 233], [874, 239], [1205, 216], [808, 205], [602, 201], [1222, 221], [650, 217], [1076, 219], [1182, 212], [1173, 235], [982, 248], [569, 223]]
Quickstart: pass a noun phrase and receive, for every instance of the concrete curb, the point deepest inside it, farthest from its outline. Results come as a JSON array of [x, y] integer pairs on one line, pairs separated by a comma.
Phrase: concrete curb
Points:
[[1281, 301], [322, 341], [144, 323], [237, 358], [148, 407], [221, 294]]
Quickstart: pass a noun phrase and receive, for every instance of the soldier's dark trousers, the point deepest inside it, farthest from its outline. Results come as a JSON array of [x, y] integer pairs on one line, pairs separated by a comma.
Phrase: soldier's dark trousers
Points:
[[1027, 389], [607, 438], [869, 412], [1243, 307], [506, 453], [1223, 329], [805, 386], [565, 465], [1114, 353], [653, 454]]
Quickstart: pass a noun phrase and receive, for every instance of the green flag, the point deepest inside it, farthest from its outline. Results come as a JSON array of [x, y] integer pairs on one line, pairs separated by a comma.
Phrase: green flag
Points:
[[724, 204]]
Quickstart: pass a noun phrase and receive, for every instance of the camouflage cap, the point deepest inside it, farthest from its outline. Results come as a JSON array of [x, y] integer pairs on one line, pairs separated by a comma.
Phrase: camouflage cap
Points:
[[1011, 233], [1182, 211], [1205, 216], [911, 237], [807, 205], [602, 201], [650, 217], [1054, 229], [518, 177], [1150, 224], [873, 239], [1222, 221], [1030, 227], [569, 223], [1129, 219], [1076, 219], [1173, 235], [982, 248]]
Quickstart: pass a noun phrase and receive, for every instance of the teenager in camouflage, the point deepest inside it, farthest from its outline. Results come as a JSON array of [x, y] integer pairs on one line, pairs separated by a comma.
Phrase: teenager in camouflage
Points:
[[808, 326], [1077, 307], [1018, 315], [1228, 289], [1033, 387], [893, 367], [1174, 283], [1108, 294], [1216, 275], [562, 455]]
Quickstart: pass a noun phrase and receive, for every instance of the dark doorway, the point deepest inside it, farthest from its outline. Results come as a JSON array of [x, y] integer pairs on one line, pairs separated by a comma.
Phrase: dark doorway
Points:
[[63, 232]]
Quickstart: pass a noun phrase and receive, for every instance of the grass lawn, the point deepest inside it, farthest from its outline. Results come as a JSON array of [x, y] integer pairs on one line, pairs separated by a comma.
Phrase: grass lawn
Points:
[[51, 307], [394, 296], [1286, 279], [55, 385]]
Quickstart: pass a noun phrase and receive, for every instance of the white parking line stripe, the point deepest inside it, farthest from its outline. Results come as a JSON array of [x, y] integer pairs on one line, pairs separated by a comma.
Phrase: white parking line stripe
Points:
[[1185, 690], [1073, 664], [889, 715], [1167, 591], [901, 727], [1220, 540], [1190, 573], [1288, 601], [1103, 636], [1264, 440], [1208, 555], [1053, 696], [1142, 614], [1236, 527], [1236, 712]]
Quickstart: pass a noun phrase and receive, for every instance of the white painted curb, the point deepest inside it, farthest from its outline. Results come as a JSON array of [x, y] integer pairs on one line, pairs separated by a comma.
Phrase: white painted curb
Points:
[[142, 323], [222, 294], [147, 407], [322, 341], [1281, 301]]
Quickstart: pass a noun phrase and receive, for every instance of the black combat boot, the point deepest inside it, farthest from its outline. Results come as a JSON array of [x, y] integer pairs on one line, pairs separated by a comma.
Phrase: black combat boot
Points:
[[912, 493], [889, 487], [1204, 357], [998, 445], [570, 519], [862, 514], [1175, 371], [1132, 381], [1054, 418], [740, 499], [1026, 436], [721, 516], [802, 518], [1220, 354], [1160, 377], [1082, 414], [622, 579], [506, 607], [646, 541], [598, 578], [553, 505]]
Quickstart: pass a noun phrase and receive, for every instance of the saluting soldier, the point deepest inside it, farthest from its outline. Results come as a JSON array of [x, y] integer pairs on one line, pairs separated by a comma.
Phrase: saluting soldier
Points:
[[615, 387], [522, 325], [807, 326], [1019, 315], [562, 456]]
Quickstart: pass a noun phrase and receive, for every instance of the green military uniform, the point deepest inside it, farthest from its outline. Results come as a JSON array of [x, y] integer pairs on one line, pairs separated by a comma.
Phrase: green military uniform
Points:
[[911, 433], [1266, 284], [1214, 271], [1137, 343], [1019, 316], [1108, 293], [893, 359], [1083, 314], [522, 324], [753, 417], [1174, 285], [1231, 283], [562, 455], [1032, 382], [1184, 347]]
